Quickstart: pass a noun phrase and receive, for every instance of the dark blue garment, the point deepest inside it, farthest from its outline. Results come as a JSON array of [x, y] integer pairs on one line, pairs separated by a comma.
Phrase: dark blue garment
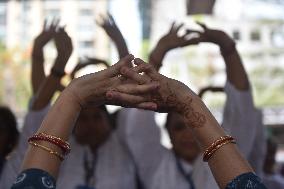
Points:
[[2, 162], [39, 179], [34, 179], [246, 181]]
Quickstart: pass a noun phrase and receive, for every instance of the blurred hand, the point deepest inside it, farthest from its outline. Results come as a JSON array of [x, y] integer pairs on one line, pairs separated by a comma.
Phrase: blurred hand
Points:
[[48, 33], [110, 27], [64, 48], [98, 88], [90, 61], [217, 37], [172, 40]]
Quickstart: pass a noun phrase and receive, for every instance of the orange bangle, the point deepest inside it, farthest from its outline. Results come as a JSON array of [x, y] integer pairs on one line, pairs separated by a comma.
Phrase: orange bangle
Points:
[[216, 145], [49, 150], [216, 142]]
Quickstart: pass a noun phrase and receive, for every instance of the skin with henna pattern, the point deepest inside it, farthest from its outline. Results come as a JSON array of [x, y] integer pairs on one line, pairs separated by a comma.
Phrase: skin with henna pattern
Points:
[[193, 118]]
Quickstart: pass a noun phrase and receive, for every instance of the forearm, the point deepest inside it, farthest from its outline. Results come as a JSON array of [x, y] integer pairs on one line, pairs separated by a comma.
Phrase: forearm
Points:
[[235, 70], [59, 122], [226, 163], [46, 92], [121, 47], [157, 56], [50, 85], [38, 74]]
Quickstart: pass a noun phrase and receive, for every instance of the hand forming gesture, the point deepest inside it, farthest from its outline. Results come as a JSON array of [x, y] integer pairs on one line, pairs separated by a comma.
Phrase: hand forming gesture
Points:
[[110, 27]]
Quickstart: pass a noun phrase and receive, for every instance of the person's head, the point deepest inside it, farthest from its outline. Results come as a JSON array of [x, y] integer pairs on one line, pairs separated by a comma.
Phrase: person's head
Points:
[[93, 126], [269, 162], [182, 138], [9, 133]]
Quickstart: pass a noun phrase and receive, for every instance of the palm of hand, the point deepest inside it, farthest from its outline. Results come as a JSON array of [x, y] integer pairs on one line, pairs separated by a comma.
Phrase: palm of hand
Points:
[[172, 40]]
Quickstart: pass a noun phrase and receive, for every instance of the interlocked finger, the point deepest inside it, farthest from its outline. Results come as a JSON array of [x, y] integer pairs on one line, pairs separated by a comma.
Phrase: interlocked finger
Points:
[[131, 74], [131, 88], [115, 69], [128, 100]]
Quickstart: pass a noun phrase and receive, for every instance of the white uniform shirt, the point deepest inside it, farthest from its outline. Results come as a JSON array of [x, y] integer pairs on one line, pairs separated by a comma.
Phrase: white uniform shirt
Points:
[[157, 165], [114, 167]]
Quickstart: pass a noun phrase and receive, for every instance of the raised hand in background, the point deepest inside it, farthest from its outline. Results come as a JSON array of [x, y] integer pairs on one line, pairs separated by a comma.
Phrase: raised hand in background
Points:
[[110, 27], [50, 84], [47, 34], [235, 70], [64, 49], [169, 41], [218, 37]]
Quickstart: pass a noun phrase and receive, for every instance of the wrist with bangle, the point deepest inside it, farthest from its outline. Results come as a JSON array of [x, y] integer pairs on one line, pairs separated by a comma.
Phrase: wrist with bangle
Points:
[[216, 145], [63, 145]]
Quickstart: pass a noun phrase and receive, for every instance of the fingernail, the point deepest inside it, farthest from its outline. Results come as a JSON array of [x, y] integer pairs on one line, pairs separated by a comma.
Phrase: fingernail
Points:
[[154, 106], [109, 95], [157, 85]]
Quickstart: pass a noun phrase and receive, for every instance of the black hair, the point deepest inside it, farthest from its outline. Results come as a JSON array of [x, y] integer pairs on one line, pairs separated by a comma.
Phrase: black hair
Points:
[[112, 118], [167, 124], [8, 126]]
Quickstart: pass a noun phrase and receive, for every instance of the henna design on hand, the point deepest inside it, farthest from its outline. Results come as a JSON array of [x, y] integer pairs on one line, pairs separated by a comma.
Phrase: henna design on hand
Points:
[[193, 118]]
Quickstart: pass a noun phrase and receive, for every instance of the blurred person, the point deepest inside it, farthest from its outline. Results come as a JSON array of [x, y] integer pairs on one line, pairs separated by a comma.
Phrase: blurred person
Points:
[[9, 134], [271, 178], [97, 154], [43, 88], [41, 165], [182, 165], [282, 170]]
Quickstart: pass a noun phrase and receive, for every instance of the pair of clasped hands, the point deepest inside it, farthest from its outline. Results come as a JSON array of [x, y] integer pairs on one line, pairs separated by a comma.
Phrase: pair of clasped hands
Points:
[[123, 84]]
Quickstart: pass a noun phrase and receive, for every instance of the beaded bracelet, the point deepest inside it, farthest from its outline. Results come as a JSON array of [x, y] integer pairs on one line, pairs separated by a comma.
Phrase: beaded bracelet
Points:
[[49, 150], [65, 146], [216, 145], [217, 142]]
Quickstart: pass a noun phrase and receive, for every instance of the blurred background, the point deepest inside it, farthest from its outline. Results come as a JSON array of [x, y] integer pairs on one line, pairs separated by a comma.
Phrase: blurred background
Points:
[[256, 25]]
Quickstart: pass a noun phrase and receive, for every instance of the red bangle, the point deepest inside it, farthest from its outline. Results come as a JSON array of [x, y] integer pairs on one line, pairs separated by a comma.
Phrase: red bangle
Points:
[[65, 146], [216, 145]]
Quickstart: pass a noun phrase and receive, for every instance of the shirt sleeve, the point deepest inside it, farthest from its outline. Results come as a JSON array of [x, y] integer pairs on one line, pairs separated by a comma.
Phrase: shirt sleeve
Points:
[[12, 166], [243, 121], [240, 118], [34, 178], [142, 138], [246, 181], [258, 152]]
